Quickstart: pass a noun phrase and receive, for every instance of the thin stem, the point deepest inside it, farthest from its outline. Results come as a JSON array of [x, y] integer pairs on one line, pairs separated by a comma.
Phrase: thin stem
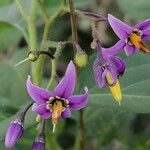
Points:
[[75, 39], [81, 130], [43, 10], [73, 22], [48, 25], [53, 72], [21, 9], [42, 130], [24, 111]]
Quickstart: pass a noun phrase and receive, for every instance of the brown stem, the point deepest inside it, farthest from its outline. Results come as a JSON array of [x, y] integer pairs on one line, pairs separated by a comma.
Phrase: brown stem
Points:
[[73, 23], [81, 130]]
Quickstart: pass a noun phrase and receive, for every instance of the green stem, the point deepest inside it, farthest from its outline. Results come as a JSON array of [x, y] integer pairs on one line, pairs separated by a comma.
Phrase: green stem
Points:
[[33, 38], [48, 25], [43, 10], [54, 62], [21, 9], [51, 143]]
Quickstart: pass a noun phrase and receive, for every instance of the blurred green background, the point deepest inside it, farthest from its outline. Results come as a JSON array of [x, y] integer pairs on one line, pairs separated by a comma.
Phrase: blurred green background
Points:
[[107, 125]]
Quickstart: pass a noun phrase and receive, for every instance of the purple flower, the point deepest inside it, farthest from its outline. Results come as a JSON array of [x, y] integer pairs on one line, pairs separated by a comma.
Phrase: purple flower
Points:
[[131, 38], [57, 104], [13, 133], [107, 69]]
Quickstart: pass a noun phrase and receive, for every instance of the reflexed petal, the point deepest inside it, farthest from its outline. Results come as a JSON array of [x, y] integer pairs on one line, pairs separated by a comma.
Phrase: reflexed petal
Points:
[[41, 110], [118, 47], [100, 80], [119, 27], [146, 34], [79, 101], [66, 113], [130, 49], [143, 25], [38, 94], [66, 86], [119, 63]]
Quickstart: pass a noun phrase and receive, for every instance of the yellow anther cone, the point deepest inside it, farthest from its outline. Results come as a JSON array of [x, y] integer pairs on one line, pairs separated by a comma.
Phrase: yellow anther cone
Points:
[[57, 110], [137, 42], [116, 92]]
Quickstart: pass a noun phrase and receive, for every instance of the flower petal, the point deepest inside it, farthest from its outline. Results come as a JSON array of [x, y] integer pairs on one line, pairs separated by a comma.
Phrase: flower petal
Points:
[[143, 25], [66, 86], [38, 94], [118, 47], [66, 113], [119, 63], [100, 80], [146, 34], [130, 49], [42, 110], [79, 101], [119, 27]]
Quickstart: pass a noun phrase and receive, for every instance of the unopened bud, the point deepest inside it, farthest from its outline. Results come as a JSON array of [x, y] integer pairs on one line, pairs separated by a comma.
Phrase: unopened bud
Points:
[[38, 144], [13, 133], [33, 55], [81, 59]]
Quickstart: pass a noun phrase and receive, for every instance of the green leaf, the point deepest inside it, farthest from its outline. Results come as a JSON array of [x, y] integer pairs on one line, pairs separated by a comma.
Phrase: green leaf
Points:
[[132, 7], [9, 36]]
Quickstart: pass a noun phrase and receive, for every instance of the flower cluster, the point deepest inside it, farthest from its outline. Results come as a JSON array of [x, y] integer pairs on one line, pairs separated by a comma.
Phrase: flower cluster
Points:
[[107, 68]]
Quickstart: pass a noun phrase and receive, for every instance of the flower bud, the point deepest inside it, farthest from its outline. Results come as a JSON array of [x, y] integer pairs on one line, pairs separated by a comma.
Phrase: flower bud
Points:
[[33, 55], [38, 144], [81, 59], [13, 133]]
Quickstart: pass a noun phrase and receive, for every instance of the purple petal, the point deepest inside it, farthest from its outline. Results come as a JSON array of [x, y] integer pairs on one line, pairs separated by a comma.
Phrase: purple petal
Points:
[[130, 49], [38, 145], [79, 101], [100, 80], [119, 63], [119, 27], [66, 86], [143, 25], [42, 110], [118, 47], [66, 113], [146, 34], [38, 94]]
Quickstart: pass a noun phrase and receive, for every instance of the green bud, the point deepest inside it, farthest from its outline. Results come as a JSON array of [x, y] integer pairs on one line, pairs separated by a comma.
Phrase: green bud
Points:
[[33, 56], [81, 59]]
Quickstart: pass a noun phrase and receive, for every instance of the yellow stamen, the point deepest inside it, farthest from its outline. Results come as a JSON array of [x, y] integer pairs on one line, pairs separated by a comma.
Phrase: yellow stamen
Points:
[[57, 110], [116, 92], [109, 79], [137, 42]]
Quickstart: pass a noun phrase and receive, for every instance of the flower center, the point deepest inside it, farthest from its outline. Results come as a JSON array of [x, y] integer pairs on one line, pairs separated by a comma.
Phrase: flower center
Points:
[[136, 40], [57, 105], [109, 78]]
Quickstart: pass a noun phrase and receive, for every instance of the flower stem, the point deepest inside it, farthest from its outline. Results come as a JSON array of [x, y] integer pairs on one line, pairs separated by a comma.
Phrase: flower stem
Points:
[[81, 130], [75, 39], [54, 61]]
